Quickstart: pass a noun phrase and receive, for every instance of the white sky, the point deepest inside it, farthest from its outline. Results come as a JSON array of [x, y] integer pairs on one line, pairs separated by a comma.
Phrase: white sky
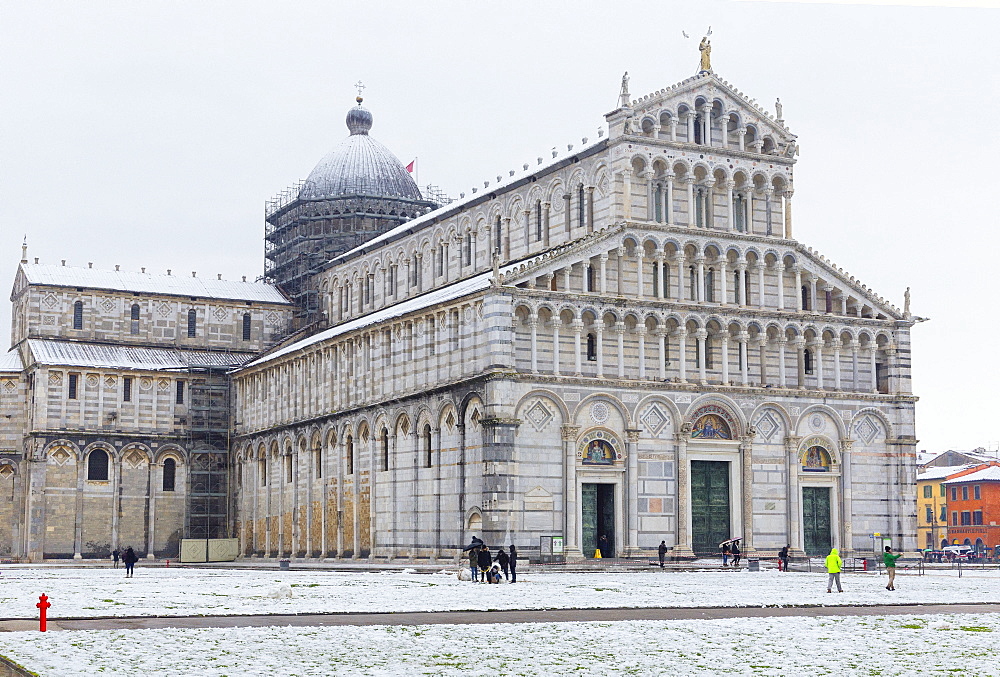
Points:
[[150, 134]]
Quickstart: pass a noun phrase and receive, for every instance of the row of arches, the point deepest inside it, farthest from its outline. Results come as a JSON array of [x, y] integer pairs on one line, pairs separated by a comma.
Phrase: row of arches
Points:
[[708, 121]]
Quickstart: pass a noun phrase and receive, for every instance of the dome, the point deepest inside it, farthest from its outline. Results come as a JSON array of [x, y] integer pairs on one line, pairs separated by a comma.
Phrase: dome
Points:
[[360, 165]]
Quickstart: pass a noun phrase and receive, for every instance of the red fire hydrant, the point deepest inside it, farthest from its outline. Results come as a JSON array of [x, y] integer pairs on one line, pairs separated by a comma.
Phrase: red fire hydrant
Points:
[[43, 604]]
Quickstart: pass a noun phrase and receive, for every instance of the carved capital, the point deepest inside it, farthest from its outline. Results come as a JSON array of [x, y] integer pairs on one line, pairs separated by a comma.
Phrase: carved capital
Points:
[[632, 434], [570, 432]]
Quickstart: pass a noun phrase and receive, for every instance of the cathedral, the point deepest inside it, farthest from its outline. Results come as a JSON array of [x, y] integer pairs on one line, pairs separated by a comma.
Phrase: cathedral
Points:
[[619, 344]]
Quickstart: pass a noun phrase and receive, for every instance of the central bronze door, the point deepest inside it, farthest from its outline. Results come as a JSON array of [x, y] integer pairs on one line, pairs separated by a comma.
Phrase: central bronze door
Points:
[[710, 523]]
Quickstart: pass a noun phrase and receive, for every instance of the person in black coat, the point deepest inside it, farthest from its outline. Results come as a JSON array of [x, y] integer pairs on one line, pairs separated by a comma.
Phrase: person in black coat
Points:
[[662, 552], [735, 550], [485, 562], [129, 558], [783, 559], [115, 555], [504, 561], [513, 563]]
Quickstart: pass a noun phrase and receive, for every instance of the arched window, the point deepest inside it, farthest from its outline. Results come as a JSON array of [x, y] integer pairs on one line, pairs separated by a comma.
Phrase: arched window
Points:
[[709, 364], [169, 474], [97, 465], [428, 449], [590, 278], [262, 471], [580, 207], [739, 212], [805, 298], [699, 207], [538, 221], [468, 249], [710, 285], [807, 358], [385, 449], [78, 315], [349, 451], [592, 347], [134, 315], [192, 323], [246, 326], [692, 283], [498, 245], [697, 129], [318, 460]]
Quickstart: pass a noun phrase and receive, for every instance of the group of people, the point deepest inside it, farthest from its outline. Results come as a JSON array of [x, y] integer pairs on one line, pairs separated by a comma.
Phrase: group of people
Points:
[[489, 569], [731, 549], [834, 564], [128, 558]]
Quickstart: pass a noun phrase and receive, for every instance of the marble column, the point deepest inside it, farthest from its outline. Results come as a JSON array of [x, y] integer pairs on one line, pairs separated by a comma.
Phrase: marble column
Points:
[[571, 516], [632, 485], [746, 489], [683, 546]]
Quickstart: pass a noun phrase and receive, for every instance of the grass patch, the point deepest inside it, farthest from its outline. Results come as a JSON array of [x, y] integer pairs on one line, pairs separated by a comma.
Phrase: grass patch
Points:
[[975, 628]]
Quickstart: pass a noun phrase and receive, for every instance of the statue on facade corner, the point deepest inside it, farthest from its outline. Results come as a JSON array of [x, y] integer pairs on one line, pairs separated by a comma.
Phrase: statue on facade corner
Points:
[[777, 108], [624, 95], [906, 302], [706, 54]]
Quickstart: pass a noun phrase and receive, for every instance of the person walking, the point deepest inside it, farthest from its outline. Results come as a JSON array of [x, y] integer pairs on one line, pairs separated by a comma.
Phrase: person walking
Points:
[[833, 566], [735, 551], [474, 562], [504, 561], [513, 563], [725, 554], [129, 558], [783, 559], [115, 556], [889, 559], [662, 552], [485, 562]]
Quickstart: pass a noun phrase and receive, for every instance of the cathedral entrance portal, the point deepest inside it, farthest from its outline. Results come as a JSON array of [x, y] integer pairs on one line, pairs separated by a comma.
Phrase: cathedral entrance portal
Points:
[[710, 523], [816, 520], [598, 519]]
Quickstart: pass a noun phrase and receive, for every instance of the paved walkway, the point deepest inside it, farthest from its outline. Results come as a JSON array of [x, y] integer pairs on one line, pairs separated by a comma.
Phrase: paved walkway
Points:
[[477, 617]]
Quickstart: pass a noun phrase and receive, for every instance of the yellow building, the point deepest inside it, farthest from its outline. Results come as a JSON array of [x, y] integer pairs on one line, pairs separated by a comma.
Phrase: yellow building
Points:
[[932, 504]]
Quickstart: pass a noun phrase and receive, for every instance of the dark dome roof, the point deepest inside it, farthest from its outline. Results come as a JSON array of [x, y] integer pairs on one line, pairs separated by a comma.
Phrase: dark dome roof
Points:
[[360, 165]]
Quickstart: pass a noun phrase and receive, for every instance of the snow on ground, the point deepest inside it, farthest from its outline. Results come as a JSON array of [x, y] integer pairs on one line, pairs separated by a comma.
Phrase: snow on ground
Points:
[[897, 645], [76, 592]]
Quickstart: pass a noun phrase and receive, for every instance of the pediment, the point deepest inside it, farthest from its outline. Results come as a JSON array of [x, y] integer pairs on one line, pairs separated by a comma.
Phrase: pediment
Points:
[[688, 95]]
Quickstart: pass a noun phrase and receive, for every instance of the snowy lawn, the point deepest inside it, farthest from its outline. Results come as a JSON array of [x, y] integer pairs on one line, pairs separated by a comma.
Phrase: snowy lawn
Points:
[[179, 591], [898, 645]]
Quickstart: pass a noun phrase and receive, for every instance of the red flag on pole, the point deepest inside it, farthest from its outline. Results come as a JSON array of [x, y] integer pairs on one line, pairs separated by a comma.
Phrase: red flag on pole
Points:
[[409, 167]]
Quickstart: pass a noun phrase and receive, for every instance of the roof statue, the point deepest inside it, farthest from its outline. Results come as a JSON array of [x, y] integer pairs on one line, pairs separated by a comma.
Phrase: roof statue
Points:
[[624, 96], [906, 303], [706, 55], [24, 250], [777, 110]]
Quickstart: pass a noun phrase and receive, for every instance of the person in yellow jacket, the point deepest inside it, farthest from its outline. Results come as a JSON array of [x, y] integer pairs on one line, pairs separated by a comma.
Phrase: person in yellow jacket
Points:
[[833, 566]]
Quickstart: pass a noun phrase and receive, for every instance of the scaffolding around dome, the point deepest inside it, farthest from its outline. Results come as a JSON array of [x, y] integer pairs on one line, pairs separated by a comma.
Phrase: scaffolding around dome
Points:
[[357, 192]]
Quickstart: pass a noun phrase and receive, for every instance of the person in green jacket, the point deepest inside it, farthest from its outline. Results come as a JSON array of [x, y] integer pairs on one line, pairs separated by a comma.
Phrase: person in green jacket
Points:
[[889, 560], [833, 566]]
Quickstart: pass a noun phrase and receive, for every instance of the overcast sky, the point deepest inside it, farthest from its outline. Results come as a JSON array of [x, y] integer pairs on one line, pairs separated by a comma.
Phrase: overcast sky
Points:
[[151, 134]]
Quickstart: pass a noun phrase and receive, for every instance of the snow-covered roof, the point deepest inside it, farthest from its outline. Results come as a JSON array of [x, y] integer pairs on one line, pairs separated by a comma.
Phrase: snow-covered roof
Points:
[[446, 211], [442, 295], [984, 475], [11, 361], [99, 355], [71, 276], [939, 473]]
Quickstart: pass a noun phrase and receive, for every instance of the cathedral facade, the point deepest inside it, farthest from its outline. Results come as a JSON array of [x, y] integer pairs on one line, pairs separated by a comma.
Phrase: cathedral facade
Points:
[[621, 344]]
